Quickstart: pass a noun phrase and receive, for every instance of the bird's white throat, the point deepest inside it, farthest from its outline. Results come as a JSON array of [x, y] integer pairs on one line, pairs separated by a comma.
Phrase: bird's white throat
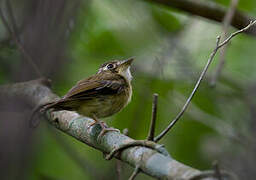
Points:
[[127, 74]]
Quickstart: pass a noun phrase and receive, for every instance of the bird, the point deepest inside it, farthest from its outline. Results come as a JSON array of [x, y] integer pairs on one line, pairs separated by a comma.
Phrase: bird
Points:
[[99, 96]]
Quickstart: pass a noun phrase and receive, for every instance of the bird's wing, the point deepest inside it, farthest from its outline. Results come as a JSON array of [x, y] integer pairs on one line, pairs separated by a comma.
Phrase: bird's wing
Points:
[[95, 86]]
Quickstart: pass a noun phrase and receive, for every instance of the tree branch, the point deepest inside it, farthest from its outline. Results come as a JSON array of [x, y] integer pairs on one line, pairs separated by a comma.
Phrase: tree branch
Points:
[[209, 10], [152, 163]]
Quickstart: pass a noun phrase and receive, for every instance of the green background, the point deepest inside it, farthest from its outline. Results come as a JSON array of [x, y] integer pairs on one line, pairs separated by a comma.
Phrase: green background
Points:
[[170, 49]]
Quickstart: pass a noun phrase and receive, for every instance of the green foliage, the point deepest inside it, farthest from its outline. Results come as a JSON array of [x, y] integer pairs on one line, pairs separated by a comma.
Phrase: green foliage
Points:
[[165, 18]]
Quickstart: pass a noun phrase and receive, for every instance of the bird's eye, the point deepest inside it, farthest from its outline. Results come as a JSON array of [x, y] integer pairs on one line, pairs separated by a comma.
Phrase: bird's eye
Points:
[[110, 66]]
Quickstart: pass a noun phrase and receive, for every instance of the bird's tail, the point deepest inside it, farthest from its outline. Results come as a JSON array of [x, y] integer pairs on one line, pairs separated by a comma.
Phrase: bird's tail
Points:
[[34, 122]]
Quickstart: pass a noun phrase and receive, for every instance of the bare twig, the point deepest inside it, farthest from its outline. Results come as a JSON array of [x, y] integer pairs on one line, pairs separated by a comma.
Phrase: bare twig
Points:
[[135, 173], [226, 23], [18, 43], [218, 46], [151, 133], [216, 168], [236, 33]]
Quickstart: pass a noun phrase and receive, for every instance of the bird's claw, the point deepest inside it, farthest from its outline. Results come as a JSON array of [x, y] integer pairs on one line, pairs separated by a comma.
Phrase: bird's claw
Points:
[[101, 123], [105, 130]]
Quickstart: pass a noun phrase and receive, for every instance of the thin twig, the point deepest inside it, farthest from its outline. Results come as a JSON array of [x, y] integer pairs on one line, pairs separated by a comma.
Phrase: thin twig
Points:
[[226, 24], [151, 133], [135, 173], [218, 46], [216, 168], [18, 43], [236, 33], [191, 95]]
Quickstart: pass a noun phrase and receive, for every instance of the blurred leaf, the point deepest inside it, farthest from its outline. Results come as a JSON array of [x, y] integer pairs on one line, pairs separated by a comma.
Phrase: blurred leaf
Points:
[[165, 19]]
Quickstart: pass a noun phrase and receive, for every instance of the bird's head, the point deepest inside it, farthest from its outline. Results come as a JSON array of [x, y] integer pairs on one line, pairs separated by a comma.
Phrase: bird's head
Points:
[[119, 67]]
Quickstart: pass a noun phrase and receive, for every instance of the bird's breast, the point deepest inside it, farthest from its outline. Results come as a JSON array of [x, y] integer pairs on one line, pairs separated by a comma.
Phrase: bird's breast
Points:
[[106, 105]]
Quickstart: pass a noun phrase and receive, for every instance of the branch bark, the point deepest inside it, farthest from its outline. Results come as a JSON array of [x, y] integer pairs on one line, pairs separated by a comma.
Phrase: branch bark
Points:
[[151, 162], [209, 10]]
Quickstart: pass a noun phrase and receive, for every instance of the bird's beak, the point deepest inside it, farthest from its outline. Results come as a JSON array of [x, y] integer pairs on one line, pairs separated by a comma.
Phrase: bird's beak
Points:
[[126, 63]]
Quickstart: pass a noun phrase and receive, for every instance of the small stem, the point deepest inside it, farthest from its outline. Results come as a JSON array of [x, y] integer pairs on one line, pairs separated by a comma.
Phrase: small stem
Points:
[[135, 173], [151, 133], [217, 170], [218, 46], [191, 95]]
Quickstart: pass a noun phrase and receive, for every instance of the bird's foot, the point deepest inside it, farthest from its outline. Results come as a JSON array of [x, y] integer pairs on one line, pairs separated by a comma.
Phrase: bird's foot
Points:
[[104, 127], [104, 130], [97, 121], [101, 123], [93, 123]]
